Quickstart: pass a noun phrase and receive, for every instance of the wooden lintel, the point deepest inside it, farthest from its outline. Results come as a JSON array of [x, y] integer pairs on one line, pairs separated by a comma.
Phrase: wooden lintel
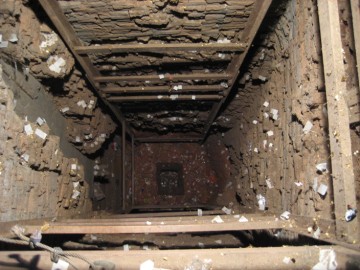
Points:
[[134, 48], [162, 89], [167, 140], [164, 77], [342, 167], [257, 16], [173, 97]]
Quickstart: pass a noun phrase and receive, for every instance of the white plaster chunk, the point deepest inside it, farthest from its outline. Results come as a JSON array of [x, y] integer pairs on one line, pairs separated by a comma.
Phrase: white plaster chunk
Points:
[[298, 184], [243, 219], [148, 223], [193, 97], [56, 64], [161, 76], [317, 233], [224, 84], [266, 104], [41, 134], [217, 219], [322, 189], [50, 39], [75, 194], [308, 126], [270, 133], [82, 103], [266, 115], [4, 44], [261, 202], [13, 38], [28, 130], [327, 260], [315, 184], [73, 167], [65, 109], [159, 96], [264, 143], [25, 157], [322, 167], [255, 122], [226, 210], [262, 78], [199, 212], [218, 241], [286, 260], [350, 214], [285, 215], [256, 150], [76, 184], [60, 265], [40, 121], [174, 97], [269, 183], [147, 265], [126, 247]]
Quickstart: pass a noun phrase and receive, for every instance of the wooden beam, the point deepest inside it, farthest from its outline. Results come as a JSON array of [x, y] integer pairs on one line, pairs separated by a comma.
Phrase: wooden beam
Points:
[[113, 90], [355, 12], [166, 78], [167, 140], [68, 34], [339, 131], [135, 48], [119, 99], [132, 171], [304, 257], [257, 16], [123, 167]]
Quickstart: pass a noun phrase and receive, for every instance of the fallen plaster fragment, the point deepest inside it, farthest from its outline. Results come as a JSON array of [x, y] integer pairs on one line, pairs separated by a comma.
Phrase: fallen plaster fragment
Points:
[[13, 38], [4, 44], [126, 247], [174, 97], [25, 157], [201, 245], [268, 183], [285, 215], [82, 103], [256, 150], [50, 39], [350, 214], [199, 212], [322, 167], [65, 109], [236, 216], [60, 265], [266, 115], [145, 247], [76, 184], [75, 194], [161, 76], [224, 84], [217, 219], [317, 233], [275, 114], [262, 78], [40, 133], [218, 241], [286, 260], [73, 167], [56, 64], [308, 126], [298, 184], [270, 133], [193, 97], [40, 121], [315, 184], [271, 145], [255, 122], [147, 265], [226, 210], [261, 201], [322, 189], [327, 260], [28, 129], [243, 219], [266, 104], [148, 223]]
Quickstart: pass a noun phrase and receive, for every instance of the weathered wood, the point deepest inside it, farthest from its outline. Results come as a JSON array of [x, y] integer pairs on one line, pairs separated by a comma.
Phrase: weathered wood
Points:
[[132, 171], [339, 132], [305, 257], [134, 48], [355, 12], [162, 89], [165, 140], [123, 156], [257, 16], [117, 99], [166, 78]]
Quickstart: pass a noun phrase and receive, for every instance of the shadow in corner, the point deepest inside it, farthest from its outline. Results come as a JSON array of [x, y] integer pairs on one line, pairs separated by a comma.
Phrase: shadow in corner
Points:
[[20, 263]]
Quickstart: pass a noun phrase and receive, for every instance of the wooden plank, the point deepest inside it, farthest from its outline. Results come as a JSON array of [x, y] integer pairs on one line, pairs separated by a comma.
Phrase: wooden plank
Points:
[[135, 48], [161, 89], [355, 12], [132, 171], [305, 257], [257, 16], [167, 77], [123, 167], [168, 140], [339, 132], [117, 99]]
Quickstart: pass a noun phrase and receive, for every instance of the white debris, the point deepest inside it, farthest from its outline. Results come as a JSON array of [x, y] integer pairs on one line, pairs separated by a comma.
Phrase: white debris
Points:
[[28, 129], [266, 115], [308, 126], [243, 219], [285, 215], [350, 214], [13, 38], [322, 167], [226, 210], [224, 84], [298, 184], [40, 121], [317, 233], [217, 219], [262, 78], [266, 104], [327, 260], [25, 157], [174, 97], [255, 122], [4, 44], [82, 103], [60, 265], [200, 244], [268, 183], [56, 64], [322, 189], [261, 202], [65, 109], [270, 133], [286, 260], [218, 241], [75, 194], [275, 114], [148, 222], [271, 145], [161, 76], [40, 133], [264, 143], [76, 184], [0, 37], [145, 247], [256, 150], [73, 167], [193, 97], [50, 39], [315, 184], [147, 265], [224, 40], [199, 212], [126, 247], [221, 55]]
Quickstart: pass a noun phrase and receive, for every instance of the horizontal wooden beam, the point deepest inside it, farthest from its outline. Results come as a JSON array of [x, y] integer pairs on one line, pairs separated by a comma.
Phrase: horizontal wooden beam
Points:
[[164, 77], [161, 89], [166, 140], [134, 48], [118, 99], [302, 257]]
